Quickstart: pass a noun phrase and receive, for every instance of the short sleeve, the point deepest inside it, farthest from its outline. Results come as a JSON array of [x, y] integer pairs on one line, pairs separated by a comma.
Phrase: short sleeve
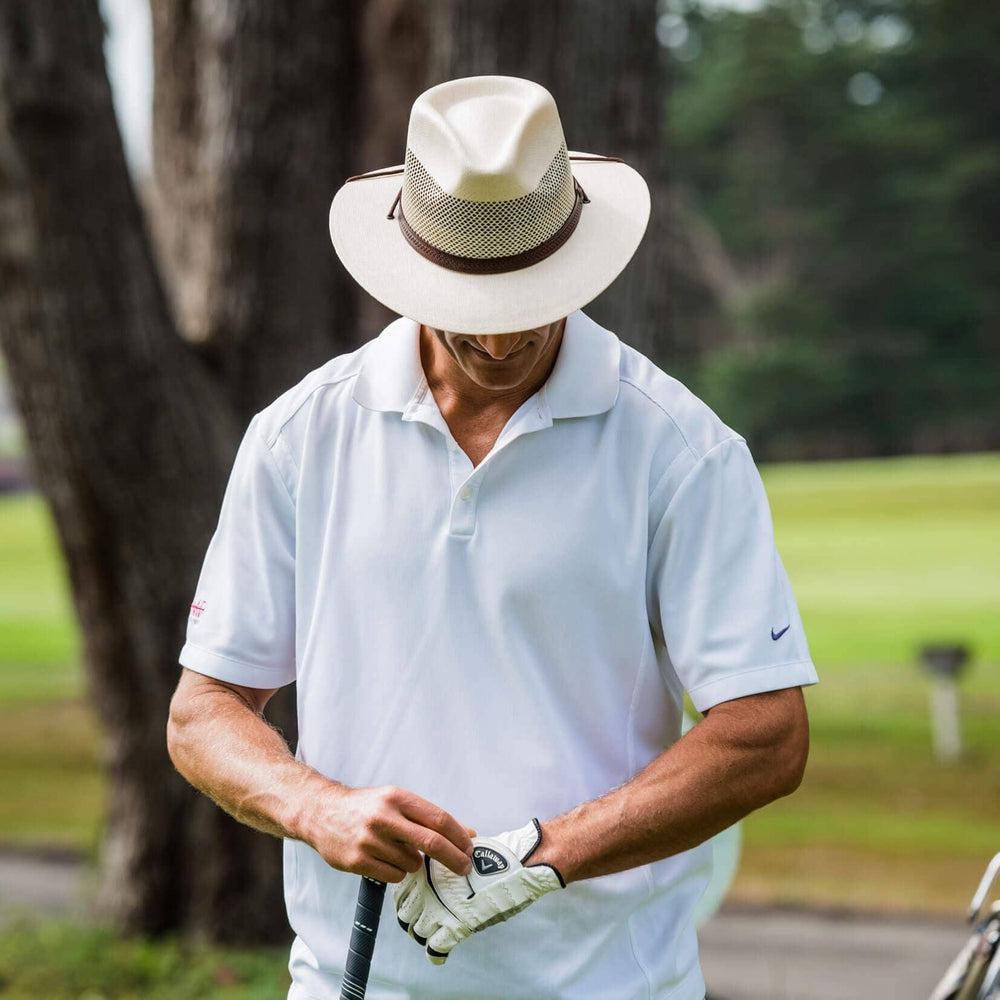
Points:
[[241, 628], [717, 591]]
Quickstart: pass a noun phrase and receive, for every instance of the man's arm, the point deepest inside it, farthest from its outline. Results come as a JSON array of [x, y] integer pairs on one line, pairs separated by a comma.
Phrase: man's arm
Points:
[[742, 755], [219, 740]]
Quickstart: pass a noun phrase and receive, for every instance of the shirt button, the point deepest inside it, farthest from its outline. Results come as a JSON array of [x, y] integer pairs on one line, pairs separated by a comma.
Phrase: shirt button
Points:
[[466, 494]]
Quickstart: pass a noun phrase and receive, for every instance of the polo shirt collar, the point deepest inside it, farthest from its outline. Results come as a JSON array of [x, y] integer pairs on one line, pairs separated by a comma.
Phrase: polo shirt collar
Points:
[[584, 380]]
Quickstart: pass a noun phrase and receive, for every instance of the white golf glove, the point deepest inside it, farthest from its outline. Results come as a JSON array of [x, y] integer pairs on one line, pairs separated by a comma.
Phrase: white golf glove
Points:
[[439, 909]]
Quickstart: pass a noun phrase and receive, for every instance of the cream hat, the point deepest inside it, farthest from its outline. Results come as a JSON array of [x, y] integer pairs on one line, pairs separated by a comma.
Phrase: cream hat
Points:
[[491, 225]]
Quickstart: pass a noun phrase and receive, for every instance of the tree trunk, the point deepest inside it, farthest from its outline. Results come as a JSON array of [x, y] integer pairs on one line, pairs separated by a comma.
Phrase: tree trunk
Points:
[[133, 431], [394, 46], [129, 440], [254, 129]]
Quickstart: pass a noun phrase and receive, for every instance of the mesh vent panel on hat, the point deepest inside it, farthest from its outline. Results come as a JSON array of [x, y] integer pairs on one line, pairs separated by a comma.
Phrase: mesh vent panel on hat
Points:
[[485, 229]]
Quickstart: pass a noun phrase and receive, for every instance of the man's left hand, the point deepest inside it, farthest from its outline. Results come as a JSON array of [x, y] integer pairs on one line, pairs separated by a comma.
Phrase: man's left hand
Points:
[[439, 909]]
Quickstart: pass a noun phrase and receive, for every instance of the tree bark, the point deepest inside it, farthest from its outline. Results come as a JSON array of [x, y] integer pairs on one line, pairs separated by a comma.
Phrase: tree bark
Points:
[[131, 429], [394, 50], [129, 440], [254, 128]]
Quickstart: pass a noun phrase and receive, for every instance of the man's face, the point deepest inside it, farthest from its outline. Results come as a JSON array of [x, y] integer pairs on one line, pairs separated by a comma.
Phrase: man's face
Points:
[[503, 360]]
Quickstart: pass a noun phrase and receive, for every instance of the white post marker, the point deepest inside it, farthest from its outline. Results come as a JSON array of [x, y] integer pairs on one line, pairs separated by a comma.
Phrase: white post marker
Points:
[[945, 664], [945, 723]]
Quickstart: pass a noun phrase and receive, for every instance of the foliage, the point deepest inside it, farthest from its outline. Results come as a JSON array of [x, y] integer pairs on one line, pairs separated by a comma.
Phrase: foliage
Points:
[[846, 154], [36, 620]]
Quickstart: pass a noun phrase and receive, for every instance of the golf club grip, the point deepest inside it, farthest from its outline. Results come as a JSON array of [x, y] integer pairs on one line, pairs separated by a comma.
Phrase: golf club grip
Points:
[[359, 955]]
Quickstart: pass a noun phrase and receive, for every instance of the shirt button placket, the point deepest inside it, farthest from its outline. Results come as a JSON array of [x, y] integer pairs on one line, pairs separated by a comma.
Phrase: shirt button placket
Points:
[[463, 511], [463, 503], [464, 517]]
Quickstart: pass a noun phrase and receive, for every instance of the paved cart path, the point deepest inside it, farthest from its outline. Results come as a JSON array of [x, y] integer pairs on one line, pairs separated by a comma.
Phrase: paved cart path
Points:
[[47, 885], [801, 955], [747, 955]]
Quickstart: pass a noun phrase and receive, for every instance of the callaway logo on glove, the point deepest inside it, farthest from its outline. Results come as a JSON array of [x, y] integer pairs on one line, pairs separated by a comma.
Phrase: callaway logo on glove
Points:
[[439, 909]]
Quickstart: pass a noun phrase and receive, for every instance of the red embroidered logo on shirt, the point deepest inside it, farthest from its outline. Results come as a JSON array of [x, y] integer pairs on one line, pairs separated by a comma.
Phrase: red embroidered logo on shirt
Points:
[[197, 609]]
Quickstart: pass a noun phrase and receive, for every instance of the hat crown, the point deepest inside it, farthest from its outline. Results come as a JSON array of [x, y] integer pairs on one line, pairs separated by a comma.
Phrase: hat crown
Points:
[[485, 138], [487, 175]]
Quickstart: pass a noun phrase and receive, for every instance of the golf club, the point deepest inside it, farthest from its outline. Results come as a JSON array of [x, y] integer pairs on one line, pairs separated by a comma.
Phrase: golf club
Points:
[[359, 954]]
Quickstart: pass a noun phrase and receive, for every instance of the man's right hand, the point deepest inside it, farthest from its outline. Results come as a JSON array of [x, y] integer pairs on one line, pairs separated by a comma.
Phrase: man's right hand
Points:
[[382, 832]]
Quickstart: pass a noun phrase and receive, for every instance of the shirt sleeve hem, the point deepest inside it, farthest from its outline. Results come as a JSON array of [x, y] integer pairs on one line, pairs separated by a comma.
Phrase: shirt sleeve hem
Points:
[[799, 673], [233, 671]]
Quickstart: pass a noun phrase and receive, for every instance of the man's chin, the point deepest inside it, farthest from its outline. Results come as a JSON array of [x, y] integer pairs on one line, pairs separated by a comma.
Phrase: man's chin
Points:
[[497, 375], [497, 382]]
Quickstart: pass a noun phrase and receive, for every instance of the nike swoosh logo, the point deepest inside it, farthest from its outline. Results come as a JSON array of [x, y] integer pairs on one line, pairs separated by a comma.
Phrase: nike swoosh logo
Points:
[[777, 635]]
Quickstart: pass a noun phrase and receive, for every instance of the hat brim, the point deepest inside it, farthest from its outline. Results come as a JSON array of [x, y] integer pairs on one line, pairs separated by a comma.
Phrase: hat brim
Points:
[[374, 251]]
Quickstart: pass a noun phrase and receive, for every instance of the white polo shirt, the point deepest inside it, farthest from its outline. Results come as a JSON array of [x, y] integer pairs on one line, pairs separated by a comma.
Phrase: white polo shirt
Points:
[[507, 641]]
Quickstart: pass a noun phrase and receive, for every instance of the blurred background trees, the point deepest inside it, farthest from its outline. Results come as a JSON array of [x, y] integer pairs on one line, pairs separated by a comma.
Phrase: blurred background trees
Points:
[[839, 163]]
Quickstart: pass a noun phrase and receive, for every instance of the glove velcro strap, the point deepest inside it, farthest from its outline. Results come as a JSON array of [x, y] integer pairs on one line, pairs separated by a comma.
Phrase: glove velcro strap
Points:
[[542, 878], [501, 917]]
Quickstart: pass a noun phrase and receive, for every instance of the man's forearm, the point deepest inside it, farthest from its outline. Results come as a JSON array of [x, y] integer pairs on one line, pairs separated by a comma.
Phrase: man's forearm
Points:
[[741, 756], [218, 739], [223, 746]]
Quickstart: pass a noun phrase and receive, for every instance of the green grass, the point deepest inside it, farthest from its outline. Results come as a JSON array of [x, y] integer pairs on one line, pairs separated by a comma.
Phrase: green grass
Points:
[[887, 554], [878, 822], [56, 961], [883, 555], [39, 643], [51, 785]]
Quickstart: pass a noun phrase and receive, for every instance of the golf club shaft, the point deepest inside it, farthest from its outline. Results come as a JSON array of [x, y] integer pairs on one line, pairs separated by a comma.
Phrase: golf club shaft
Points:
[[359, 955]]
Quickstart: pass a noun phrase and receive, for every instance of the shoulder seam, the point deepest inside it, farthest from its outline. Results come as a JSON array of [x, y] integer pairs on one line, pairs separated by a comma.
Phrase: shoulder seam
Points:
[[663, 410], [269, 448], [305, 399], [684, 452], [733, 438]]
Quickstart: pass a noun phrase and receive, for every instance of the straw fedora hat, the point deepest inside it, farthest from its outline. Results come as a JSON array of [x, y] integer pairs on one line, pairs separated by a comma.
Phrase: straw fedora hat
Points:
[[491, 225]]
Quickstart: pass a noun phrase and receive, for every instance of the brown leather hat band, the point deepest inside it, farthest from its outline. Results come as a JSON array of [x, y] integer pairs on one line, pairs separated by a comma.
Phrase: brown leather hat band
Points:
[[491, 265], [496, 265]]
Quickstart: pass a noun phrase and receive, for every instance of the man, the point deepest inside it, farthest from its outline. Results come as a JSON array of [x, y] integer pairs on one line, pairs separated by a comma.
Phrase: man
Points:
[[494, 546]]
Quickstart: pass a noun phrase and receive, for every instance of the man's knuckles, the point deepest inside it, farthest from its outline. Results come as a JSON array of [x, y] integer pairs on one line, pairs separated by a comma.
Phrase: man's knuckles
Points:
[[355, 859], [434, 844], [390, 797], [437, 819], [373, 822], [412, 863]]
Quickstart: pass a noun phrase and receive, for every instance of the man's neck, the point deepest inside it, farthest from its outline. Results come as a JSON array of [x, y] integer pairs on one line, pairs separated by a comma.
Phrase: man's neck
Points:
[[460, 397]]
